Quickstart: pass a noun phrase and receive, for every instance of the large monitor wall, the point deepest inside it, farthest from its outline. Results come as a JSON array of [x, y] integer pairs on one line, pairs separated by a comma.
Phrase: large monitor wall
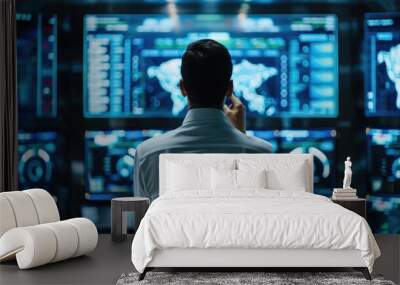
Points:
[[382, 75], [100, 89], [283, 65], [109, 162], [37, 64]]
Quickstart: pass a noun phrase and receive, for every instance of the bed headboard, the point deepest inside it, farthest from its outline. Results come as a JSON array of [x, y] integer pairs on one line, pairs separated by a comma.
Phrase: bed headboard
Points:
[[167, 158]]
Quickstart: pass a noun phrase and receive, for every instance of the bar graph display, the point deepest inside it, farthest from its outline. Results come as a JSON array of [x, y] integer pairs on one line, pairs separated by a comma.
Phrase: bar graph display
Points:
[[110, 161], [283, 65], [37, 65], [382, 72]]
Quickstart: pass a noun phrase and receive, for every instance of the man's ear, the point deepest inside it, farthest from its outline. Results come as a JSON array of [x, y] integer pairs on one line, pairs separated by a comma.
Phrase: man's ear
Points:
[[229, 90], [183, 89]]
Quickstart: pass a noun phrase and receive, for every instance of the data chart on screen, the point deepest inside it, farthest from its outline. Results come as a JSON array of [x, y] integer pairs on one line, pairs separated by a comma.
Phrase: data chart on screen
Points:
[[382, 70], [36, 159], [283, 65], [37, 65], [384, 160], [110, 161]]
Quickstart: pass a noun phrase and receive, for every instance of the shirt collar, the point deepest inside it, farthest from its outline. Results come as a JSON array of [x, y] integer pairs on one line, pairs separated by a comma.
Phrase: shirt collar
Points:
[[205, 115]]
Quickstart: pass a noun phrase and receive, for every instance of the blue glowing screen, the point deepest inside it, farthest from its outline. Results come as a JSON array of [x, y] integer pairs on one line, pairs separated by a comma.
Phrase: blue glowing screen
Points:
[[284, 65], [267, 135], [382, 72], [319, 143], [101, 217], [36, 163], [384, 160], [384, 172], [384, 214], [37, 65], [109, 162]]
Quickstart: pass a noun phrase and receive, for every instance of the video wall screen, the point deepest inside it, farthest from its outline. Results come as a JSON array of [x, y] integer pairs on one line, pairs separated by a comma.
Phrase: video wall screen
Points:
[[36, 159], [109, 162], [284, 65], [37, 65], [319, 143], [267, 135], [100, 215], [384, 160], [384, 214], [382, 72]]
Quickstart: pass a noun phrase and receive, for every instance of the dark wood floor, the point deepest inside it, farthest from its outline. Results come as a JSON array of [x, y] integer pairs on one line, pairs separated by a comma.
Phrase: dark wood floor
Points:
[[103, 266], [106, 264]]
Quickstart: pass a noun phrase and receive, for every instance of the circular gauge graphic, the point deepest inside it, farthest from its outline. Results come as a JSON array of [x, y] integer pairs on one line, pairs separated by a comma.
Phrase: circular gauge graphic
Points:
[[396, 168], [322, 169], [125, 166], [35, 167]]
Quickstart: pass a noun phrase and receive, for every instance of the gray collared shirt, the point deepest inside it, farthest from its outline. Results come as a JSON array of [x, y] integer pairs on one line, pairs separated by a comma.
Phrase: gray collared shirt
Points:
[[204, 130]]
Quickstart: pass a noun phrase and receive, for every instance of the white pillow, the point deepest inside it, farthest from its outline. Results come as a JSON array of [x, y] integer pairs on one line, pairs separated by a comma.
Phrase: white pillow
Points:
[[294, 180], [237, 179], [188, 176], [281, 175], [182, 178], [223, 179], [251, 178]]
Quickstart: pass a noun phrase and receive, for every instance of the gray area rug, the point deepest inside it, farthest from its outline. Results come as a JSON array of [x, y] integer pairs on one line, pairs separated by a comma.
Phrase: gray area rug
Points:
[[243, 278]]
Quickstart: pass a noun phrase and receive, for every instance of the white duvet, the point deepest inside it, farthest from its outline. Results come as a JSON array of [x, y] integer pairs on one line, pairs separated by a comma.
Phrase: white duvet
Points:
[[250, 219]]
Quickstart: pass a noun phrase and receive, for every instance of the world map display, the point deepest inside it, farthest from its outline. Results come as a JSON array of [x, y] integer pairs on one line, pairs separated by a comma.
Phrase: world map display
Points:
[[168, 75], [247, 78], [391, 59], [132, 62]]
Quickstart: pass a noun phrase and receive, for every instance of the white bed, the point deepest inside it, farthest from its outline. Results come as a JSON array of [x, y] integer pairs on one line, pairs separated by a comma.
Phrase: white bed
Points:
[[248, 227]]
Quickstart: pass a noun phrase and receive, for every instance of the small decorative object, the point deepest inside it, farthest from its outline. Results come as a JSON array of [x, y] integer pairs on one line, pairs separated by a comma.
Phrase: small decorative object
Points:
[[347, 192], [347, 174]]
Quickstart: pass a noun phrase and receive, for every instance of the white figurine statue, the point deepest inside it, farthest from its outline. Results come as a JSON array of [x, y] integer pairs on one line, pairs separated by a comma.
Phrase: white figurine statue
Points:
[[347, 174]]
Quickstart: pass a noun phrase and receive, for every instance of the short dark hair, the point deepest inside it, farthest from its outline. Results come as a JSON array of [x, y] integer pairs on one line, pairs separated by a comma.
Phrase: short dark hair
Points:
[[206, 72]]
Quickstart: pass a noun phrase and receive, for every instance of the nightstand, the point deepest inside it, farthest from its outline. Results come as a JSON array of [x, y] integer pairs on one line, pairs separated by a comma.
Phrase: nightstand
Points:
[[357, 205], [119, 209]]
